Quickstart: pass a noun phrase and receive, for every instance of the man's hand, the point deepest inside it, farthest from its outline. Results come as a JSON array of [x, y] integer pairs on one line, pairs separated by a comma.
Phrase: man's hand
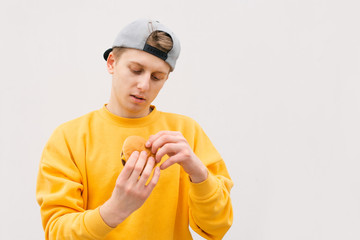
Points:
[[130, 191], [179, 151]]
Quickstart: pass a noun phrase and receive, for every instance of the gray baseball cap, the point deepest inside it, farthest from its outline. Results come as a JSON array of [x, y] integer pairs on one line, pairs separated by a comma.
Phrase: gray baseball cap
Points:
[[136, 34]]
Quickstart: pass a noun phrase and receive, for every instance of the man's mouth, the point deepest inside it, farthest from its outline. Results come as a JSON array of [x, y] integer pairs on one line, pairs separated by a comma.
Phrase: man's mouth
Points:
[[138, 97]]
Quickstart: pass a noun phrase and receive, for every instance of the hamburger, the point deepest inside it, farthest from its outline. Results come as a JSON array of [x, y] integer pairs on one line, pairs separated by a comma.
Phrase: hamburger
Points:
[[134, 143]]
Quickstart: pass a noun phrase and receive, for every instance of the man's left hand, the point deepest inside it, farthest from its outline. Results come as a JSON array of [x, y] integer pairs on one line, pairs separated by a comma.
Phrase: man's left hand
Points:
[[179, 151]]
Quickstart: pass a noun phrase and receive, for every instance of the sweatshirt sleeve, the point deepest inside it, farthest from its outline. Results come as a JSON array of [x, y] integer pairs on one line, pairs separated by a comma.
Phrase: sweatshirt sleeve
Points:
[[210, 208], [60, 194]]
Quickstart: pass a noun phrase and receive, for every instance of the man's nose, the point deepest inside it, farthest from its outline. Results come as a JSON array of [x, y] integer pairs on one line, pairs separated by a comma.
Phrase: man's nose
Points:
[[144, 82]]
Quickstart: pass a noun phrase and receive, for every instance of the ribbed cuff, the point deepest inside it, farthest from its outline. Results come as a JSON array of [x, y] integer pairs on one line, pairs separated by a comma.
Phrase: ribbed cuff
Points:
[[204, 189], [95, 224]]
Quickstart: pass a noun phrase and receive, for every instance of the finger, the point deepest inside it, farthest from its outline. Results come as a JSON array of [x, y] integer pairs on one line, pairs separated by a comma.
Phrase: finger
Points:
[[162, 140], [129, 166], [152, 138], [154, 181], [170, 161], [170, 149], [147, 171], [139, 166]]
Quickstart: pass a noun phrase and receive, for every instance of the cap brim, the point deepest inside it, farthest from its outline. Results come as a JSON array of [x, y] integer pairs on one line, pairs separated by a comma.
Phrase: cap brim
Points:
[[106, 53]]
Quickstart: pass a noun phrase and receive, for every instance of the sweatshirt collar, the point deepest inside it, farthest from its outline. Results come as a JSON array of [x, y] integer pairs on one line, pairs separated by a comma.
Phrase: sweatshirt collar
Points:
[[129, 122]]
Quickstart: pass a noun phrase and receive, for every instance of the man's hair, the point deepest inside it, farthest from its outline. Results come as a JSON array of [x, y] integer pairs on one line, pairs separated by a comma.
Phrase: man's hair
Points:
[[157, 39]]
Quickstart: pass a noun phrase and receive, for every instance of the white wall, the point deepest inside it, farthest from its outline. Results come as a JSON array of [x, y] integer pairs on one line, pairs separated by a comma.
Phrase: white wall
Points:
[[275, 84]]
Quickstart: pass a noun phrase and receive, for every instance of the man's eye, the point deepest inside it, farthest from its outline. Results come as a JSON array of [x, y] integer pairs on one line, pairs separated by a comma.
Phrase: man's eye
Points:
[[155, 78], [136, 71]]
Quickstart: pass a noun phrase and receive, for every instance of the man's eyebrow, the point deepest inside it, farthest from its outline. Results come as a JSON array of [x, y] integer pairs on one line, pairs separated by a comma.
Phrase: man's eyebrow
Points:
[[136, 63], [139, 64]]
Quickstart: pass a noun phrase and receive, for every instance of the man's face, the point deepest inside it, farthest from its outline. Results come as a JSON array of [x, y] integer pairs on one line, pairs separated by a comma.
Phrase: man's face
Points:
[[137, 78]]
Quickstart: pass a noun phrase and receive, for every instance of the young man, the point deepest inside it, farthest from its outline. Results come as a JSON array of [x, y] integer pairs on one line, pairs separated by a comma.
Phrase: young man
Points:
[[84, 190]]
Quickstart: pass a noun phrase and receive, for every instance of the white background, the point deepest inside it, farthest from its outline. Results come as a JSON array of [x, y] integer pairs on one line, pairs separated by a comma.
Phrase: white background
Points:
[[275, 84]]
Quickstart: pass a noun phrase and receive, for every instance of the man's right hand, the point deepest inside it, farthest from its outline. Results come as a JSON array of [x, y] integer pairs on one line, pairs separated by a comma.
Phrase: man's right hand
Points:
[[130, 191]]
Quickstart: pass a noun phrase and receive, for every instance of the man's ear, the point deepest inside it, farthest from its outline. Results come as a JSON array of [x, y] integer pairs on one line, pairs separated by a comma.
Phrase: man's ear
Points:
[[167, 77], [110, 63]]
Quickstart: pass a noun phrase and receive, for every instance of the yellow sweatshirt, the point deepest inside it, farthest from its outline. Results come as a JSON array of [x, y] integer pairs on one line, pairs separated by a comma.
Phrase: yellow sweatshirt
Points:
[[81, 162]]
